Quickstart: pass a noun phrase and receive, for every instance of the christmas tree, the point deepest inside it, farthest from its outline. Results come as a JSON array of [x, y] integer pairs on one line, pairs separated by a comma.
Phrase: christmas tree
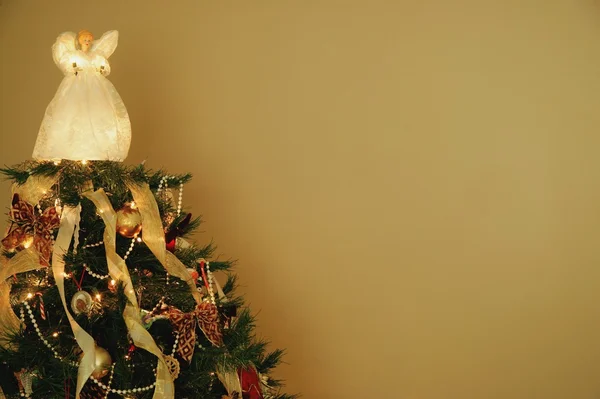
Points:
[[101, 295]]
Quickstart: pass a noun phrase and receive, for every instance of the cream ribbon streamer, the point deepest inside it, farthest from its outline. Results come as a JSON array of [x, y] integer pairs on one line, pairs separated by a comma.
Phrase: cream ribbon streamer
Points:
[[22, 262], [154, 236], [69, 220], [118, 271], [34, 188]]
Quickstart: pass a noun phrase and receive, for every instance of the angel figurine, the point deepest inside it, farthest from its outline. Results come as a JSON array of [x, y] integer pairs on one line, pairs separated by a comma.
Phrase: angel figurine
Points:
[[86, 119]]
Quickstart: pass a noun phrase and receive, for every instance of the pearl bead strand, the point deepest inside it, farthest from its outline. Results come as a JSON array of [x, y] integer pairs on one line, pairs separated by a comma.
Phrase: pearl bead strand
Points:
[[93, 245], [95, 275], [37, 328], [133, 241], [180, 198], [210, 284]]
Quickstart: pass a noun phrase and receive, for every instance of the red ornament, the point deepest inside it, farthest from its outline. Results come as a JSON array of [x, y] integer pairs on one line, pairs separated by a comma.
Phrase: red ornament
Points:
[[250, 383], [173, 233]]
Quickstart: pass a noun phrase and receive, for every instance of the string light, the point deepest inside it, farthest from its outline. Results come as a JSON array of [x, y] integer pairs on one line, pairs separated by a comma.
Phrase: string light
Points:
[[84, 162], [55, 334], [98, 297], [29, 295], [28, 242]]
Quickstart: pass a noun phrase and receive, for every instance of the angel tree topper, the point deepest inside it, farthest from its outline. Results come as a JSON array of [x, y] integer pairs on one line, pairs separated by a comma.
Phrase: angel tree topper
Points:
[[86, 119]]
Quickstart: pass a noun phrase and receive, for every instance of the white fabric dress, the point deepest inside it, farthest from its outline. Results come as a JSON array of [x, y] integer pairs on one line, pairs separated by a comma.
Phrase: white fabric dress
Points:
[[86, 119]]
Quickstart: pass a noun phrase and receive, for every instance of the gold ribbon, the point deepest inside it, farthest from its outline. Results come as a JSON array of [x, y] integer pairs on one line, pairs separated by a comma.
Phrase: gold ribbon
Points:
[[118, 271], [154, 236], [70, 219], [34, 188], [24, 261]]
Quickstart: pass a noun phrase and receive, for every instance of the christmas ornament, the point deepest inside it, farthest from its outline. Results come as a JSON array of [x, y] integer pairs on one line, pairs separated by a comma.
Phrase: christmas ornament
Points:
[[91, 391], [102, 363], [30, 228], [204, 316], [41, 304], [173, 366], [194, 273], [25, 381], [129, 220], [176, 231], [250, 383], [82, 302]]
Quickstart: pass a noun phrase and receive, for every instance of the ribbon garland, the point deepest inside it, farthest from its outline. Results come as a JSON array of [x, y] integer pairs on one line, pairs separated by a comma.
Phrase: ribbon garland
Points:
[[118, 271], [154, 236], [70, 219]]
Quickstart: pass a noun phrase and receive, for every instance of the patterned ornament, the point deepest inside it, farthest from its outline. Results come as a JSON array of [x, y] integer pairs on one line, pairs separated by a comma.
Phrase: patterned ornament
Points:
[[129, 221], [204, 316], [29, 227], [92, 391], [82, 302], [25, 381], [251, 385], [173, 366]]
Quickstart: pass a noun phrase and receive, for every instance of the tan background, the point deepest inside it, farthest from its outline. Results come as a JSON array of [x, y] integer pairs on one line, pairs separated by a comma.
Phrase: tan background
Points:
[[413, 191]]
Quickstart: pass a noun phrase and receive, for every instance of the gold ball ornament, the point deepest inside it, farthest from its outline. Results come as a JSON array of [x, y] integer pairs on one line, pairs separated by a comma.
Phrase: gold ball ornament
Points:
[[102, 364], [129, 220]]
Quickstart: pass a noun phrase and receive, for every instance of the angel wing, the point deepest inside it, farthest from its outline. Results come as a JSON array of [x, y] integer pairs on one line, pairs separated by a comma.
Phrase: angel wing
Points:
[[107, 44], [62, 48]]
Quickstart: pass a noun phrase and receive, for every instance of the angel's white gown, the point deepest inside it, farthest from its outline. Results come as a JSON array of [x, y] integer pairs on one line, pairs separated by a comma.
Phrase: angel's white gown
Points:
[[86, 119]]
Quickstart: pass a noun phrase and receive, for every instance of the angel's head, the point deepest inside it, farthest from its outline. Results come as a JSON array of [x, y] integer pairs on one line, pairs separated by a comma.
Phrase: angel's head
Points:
[[85, 39]]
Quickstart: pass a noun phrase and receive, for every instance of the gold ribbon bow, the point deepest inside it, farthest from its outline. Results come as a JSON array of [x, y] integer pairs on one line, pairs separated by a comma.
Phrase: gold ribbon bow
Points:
[[28, 225], [206, 317]]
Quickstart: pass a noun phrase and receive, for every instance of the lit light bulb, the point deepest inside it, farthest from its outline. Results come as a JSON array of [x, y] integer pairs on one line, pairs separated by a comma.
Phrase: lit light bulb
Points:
[[57, 162], [84, 162], [113, 282], [132, 205], [98, 297], [28, 242], [29, 295], [139, 239], [55, 334]]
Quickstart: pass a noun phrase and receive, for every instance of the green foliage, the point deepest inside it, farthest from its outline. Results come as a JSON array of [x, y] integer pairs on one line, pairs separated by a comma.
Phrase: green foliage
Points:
[[133, 366]]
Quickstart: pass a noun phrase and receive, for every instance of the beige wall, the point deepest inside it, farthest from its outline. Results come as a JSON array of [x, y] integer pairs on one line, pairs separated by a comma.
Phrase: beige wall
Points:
[[412, 190]]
